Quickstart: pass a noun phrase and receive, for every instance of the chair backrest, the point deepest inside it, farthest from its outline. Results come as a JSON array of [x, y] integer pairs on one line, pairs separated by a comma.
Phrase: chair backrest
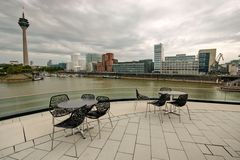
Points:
[[162, 99], [181, 100], [77, 117], [103, 104], [137, 93], [165, 89], [140, 96], [88, 96], [54, 101]]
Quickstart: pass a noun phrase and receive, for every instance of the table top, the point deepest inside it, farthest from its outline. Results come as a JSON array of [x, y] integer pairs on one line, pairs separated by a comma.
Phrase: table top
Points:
[[77, 103], [175, 93]]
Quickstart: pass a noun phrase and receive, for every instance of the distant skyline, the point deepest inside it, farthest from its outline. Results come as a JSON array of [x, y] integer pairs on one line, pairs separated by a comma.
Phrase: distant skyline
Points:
[[127, 28]]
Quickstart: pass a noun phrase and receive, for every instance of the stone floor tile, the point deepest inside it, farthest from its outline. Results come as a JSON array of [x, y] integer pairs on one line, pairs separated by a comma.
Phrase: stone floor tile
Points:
[[36, 155], [159, 148], [167, 127], [132, 128], [211, 157], [22, 154], [6, 152], [172, 141], [81, 145], [156, 131], [183, 135], [89, 154], [201, 139], [213, 138], [123, 122], [192, 151], [42, 139], [142, 152], [118, 133], [23, 146], [67, 158], [143, 136], [128, 143], [123, 156], [99, 142], [109, 150], [7, 158], [200, 125], [232, 152], [204, 149], [47, 145], [134, 119], [220, 132], [234, 144], [58, 151], [193, 130], [220, 151], [177, 155]]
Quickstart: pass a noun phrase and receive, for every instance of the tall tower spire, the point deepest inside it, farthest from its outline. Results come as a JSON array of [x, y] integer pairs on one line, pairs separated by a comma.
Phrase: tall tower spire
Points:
[[24, 24]]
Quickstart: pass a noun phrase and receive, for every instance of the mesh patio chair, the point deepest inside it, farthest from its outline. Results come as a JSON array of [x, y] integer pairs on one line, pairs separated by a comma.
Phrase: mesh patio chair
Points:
[[88, 97], [102, 108], [165, 89], [139, 97], [158, 103], [74, 121], [180, 102]]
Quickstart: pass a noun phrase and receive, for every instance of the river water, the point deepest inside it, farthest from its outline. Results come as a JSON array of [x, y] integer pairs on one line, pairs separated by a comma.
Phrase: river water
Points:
[[32, 95]]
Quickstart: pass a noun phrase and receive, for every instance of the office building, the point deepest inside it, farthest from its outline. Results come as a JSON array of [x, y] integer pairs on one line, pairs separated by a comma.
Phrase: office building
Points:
[[206, 58], [107, 63], [180, 64], [134, 67], [91, 61], [158, 57]]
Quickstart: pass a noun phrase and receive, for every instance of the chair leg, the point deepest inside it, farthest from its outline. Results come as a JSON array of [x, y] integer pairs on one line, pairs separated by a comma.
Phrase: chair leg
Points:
[[99, 132], [75, 145], [53, 137], [179, 114], [110, 119], [88, 130], [146, 110], [135, 106], [188, 112], [160, 112]]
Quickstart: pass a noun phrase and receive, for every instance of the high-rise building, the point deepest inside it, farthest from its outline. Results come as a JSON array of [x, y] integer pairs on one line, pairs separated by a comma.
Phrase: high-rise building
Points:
[[206, 58], [49, 63], [158, 57], [24, 24]]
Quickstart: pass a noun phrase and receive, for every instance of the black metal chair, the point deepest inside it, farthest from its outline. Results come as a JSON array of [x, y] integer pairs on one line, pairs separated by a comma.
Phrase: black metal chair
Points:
[[102, 108], [88, 96], [165, 89], [139, 97], [158, 103], [180, 102], [76, 119]]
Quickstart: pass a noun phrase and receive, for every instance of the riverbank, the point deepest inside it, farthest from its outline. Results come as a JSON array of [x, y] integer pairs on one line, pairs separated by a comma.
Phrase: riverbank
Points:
[[15, 78]]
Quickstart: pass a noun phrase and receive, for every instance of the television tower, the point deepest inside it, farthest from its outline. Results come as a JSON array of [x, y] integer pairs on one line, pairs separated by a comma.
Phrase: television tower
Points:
[[24, 24]]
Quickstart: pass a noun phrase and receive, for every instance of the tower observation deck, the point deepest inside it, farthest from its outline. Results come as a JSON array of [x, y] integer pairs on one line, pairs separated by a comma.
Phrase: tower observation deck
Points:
[[24, 24]]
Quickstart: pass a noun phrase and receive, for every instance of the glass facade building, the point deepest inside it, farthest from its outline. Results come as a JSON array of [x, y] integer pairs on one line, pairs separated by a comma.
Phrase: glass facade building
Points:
[[158, 57], [206, 58]]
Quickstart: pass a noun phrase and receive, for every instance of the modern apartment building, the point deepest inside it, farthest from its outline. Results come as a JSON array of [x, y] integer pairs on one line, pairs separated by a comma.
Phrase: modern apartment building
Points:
[[206, 58], [180, 64], [158, 57]]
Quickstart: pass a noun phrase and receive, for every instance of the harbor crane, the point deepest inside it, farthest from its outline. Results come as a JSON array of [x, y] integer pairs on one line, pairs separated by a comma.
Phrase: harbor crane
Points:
[[215, 67]]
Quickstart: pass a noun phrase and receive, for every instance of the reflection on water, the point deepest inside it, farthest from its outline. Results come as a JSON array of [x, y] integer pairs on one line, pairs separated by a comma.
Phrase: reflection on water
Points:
[[19, 97]]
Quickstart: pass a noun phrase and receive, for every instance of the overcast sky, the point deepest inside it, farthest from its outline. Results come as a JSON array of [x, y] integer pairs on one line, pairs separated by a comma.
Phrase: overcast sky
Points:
[[127, 28]]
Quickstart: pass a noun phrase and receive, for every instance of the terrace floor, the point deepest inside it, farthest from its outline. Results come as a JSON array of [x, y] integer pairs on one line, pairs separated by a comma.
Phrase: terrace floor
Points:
[[212, 134]]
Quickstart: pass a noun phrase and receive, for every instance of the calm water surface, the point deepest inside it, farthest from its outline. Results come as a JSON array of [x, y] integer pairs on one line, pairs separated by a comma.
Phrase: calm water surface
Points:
[[27, 96]]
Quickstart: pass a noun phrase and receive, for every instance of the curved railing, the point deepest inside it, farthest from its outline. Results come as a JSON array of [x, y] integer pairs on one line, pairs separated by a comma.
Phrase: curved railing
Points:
[[10, 107]]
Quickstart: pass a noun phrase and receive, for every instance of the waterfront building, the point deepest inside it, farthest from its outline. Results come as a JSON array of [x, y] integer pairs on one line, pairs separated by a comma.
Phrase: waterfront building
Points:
[[234, 67], [107, 63], [24, 24], [91, 61], [13, 62], [49, 63], [158, 57], [206, 58], [136, 67], [180, 64]]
